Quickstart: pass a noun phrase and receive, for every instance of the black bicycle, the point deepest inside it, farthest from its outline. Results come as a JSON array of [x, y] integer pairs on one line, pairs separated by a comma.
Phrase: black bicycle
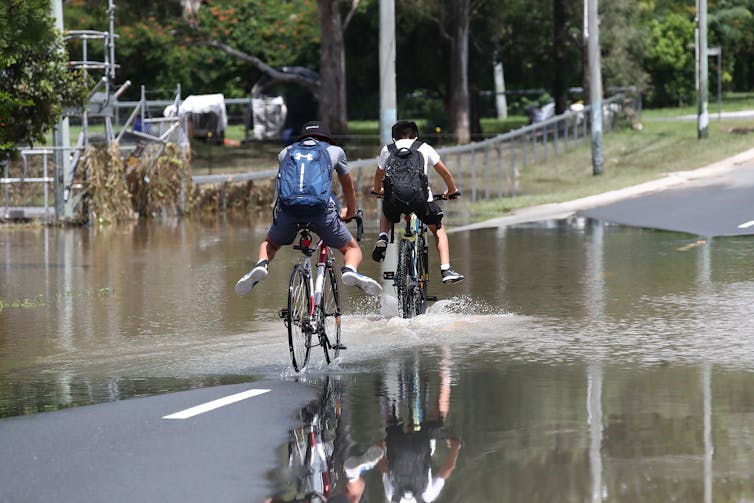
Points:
[[313, 313], [411, 276]]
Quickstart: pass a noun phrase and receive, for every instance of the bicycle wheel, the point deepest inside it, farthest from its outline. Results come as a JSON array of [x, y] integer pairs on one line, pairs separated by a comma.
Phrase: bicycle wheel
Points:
[[297, 318], [330, 312], [420, 290], [403, 280]]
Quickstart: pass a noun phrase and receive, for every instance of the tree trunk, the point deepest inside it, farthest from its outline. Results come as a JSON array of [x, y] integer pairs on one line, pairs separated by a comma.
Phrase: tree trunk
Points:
[[459, 78], [332, 70]]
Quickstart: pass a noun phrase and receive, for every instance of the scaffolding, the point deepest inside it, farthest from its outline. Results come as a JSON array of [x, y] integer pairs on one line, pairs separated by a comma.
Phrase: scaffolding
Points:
[[96, 56]]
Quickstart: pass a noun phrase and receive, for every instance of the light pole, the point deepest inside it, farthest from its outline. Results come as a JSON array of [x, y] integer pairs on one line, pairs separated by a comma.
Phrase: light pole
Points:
[[592, 32], [702, 122]]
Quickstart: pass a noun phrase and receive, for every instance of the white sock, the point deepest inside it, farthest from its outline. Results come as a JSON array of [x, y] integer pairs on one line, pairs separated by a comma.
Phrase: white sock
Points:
[[444, 267], [352, 268]]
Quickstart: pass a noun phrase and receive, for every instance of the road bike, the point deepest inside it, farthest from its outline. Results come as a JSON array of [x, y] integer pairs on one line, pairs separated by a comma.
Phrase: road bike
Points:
[[411, 275], [313, 313], [314, 445]]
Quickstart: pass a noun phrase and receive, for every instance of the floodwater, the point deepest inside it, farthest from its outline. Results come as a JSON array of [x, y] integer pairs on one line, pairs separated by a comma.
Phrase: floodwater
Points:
[[578, 361]]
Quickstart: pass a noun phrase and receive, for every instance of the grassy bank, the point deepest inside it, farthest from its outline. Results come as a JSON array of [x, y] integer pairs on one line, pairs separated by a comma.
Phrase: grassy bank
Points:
[[630, 157]]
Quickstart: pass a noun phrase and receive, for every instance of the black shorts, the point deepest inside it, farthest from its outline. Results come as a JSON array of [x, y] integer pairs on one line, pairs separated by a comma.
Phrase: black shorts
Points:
[[427, 211]]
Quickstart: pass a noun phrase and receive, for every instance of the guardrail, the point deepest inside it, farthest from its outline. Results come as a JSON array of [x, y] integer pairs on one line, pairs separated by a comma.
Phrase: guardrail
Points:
[[487, 168], [483, 170]]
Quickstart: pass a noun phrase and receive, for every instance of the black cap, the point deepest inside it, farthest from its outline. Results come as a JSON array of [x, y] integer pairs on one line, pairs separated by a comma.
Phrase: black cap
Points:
[[315, 129]]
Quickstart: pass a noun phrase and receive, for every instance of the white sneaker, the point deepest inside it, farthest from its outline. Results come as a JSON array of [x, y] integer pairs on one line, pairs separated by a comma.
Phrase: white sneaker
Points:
[[365, 283], [355, 466], [251, 278]]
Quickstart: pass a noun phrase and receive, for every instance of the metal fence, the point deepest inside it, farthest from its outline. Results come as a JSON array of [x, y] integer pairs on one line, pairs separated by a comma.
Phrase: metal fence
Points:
[[483, 170], [489, 168]]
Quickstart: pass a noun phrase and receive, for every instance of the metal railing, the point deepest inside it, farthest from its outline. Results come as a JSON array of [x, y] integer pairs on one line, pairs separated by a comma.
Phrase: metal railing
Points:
[[484, 169]]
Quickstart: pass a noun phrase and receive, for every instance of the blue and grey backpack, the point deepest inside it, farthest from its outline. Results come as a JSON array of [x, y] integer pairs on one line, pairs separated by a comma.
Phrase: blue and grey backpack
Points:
[[305, 179]]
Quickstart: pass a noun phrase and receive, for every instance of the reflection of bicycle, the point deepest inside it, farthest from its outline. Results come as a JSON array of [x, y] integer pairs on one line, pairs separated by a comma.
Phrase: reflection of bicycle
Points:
[[411, 275], [314, 300], [313, 445]]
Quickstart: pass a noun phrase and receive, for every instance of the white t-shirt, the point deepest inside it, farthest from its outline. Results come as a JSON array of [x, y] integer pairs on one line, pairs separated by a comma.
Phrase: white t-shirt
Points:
[[432, 491], [431, 157]]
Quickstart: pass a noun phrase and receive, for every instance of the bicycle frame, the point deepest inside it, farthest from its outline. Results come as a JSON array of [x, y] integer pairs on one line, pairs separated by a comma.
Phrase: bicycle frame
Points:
[[316, 282], [314, 300]]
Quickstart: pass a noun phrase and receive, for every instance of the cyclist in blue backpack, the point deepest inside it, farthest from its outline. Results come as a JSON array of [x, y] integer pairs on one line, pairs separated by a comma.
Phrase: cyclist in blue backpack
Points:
[[304, 196], [405, 190]]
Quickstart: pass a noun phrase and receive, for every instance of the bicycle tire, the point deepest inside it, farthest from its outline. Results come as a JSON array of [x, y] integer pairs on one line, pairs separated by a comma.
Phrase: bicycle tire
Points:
[[330, 316], [403, 281], [297, 318], [420, 289]]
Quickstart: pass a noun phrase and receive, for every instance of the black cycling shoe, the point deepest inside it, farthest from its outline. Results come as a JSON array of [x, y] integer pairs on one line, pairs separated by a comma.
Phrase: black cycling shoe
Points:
[[380, 247]]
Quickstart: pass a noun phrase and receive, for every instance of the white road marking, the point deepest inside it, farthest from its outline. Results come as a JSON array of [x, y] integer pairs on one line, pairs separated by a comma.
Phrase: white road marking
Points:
[[215, 404], [746, 225]]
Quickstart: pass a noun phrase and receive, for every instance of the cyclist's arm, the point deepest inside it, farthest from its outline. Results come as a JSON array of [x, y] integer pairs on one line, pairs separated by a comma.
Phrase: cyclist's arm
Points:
[[447, 176], [379, 174], [349, 194]]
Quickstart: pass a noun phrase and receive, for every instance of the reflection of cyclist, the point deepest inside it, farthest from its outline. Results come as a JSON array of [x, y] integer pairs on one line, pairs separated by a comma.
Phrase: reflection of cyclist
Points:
[[405, 134], [327, 225], [409, 446], [312, 448]]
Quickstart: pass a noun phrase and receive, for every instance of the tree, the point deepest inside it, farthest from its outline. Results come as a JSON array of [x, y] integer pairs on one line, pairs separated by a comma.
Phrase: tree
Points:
[[35, 83], [452, 19], [270, 34], [669, 60]]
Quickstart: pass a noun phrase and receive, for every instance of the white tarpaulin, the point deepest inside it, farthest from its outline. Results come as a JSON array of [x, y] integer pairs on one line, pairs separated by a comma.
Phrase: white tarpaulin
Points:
[[202, 104], [269, 114]]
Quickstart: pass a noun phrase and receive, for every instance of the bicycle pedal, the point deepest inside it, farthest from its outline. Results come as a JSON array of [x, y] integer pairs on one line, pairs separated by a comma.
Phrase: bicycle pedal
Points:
[[388, 275], [283, 313], [432, 298], [339, 347]]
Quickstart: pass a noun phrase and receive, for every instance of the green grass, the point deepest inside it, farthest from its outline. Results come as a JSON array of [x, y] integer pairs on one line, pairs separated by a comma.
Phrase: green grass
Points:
[[630, 157]]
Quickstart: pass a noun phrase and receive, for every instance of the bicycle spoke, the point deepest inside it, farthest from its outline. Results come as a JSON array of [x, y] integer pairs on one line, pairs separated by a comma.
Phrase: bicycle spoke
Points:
[[331, 315], [299, 326]]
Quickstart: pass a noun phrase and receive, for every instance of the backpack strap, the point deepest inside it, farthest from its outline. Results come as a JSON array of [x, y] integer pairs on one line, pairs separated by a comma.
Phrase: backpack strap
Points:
[[392, 148], [415, 146]]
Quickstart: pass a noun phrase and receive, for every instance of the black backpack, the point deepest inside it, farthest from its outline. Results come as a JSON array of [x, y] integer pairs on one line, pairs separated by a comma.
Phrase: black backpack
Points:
[[405, 182], [408, 459]]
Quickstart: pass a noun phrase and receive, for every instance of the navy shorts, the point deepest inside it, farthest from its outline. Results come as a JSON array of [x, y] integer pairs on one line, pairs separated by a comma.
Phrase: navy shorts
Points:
[[328, 226], [428, 212]]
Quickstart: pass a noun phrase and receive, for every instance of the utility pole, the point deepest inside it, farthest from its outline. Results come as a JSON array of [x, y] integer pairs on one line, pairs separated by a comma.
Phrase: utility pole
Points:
[[702, 122], [388, 100], [592, 32], [62, 142], [500, 100]]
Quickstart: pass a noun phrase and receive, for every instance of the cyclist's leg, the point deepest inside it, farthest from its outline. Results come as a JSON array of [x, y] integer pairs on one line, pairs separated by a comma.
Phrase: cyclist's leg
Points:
[[352, 257], [334, 233], [282, 232], [389, 216], [433, 218], [259, 272]]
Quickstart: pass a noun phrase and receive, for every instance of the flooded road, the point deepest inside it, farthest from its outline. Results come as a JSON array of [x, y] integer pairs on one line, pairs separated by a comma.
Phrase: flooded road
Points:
[[577, 361]]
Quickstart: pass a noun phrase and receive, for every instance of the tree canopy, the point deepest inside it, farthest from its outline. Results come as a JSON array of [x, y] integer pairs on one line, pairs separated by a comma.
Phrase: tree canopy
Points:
[[35, 83], [644, 43]]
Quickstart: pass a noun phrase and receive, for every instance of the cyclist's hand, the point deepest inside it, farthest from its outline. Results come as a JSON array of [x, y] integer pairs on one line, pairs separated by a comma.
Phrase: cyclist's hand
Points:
[[378, 193], [451, 195], [345, 216]]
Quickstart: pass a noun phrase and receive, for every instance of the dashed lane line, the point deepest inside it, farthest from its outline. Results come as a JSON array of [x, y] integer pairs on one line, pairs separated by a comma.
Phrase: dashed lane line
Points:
[[746, 225], [215, 404]]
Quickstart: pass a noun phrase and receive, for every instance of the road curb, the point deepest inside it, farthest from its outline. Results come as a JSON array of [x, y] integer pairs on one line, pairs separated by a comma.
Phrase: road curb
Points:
[[557, 211]]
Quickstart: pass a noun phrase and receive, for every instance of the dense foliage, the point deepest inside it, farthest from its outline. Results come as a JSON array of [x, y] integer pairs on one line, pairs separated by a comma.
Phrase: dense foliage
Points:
[[35, 83], [648, 43]]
